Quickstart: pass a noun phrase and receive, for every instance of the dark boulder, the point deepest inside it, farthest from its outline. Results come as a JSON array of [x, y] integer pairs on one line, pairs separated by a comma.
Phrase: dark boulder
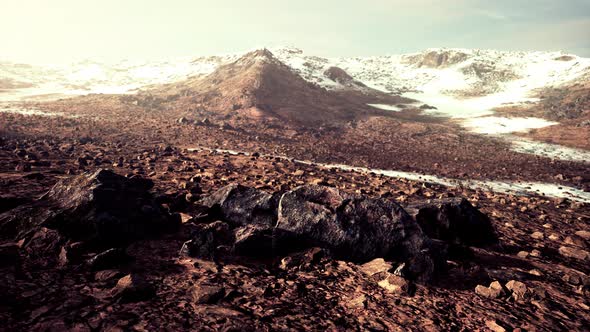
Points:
[[101, 207], [455, 221], [354, 228], [240, 205], [207, 239], [253, 240]]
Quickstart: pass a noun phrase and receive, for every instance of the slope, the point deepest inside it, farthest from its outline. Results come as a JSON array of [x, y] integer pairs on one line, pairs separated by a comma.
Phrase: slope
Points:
[[259, 86]]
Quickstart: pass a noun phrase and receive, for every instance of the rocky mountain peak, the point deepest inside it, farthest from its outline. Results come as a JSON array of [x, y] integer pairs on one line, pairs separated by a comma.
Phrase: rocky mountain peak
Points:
[[260, 56]]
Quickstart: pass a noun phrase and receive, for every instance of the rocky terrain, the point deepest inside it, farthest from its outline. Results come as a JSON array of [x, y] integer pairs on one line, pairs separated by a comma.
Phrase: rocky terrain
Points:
[[208, 240], [276, 191]]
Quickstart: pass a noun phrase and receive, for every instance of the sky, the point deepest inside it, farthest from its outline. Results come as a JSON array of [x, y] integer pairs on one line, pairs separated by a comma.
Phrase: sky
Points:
[[45, 31]]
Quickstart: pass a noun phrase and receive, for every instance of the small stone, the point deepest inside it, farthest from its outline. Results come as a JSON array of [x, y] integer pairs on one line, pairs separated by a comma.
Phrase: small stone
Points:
[[573, 279], [357, 302], [299, 172], [376, 266], [492, 325], [575, 241], [535, 253], [523, 254], [205, 293], [537, 235], [395, 284], [536, 272], [519, 289], [132, 288], [493, 292], [584, 234], [319, 182], [574, 253]]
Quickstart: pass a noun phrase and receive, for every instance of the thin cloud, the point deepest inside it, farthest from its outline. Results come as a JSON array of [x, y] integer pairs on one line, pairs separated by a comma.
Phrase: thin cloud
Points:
[[64, 29]]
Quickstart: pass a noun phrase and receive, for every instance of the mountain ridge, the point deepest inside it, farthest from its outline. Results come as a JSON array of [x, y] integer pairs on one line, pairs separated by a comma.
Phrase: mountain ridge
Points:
[[389, 73]]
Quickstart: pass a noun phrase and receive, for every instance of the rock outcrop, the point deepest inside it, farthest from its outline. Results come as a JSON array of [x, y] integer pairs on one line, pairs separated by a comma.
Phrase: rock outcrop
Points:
[[352, 228], [339, 75], [101, 208]]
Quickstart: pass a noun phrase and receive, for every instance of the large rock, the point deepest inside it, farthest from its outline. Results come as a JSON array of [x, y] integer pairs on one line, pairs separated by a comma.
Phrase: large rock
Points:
[[240, 205], [101, 208], [354, 228], [455, 221]]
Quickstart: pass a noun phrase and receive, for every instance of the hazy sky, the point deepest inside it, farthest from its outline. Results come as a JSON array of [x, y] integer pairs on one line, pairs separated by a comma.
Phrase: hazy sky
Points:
[[63, 30]]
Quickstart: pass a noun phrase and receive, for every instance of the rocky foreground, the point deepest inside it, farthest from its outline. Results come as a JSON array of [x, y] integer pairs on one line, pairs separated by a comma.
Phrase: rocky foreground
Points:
[[117, 237]]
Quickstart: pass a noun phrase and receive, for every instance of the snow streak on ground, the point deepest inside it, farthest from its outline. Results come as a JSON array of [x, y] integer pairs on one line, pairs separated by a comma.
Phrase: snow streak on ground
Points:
[[28, 111], [505, 187], [502, 125], [386, 107], [553, 151]]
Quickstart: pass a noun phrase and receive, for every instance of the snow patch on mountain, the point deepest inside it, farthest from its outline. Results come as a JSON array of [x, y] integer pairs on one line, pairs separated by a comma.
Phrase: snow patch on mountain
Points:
[[88, 77], [503, 125], [462, 72]]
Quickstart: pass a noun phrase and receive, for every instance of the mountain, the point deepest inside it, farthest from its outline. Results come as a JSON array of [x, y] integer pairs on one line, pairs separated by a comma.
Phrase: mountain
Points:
[[259, 86]]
